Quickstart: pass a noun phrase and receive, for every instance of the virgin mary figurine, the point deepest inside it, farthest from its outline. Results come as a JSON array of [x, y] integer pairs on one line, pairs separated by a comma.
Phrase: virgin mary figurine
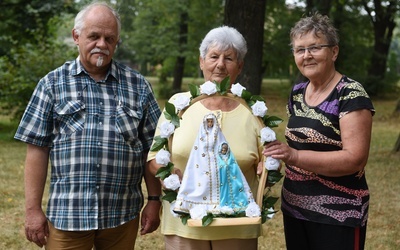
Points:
[[212, 177]]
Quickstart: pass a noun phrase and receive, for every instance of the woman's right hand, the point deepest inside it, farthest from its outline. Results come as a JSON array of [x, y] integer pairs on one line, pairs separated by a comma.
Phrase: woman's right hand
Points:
[[280, 151], [178, 172], [154, 167]]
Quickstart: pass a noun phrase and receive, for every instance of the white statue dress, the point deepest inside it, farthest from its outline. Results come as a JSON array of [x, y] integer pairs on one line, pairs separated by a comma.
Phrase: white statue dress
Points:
[[212, 178]]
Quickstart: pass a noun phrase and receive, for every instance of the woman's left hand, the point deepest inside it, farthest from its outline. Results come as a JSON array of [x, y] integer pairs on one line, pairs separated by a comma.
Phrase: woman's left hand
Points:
[[280, 151]]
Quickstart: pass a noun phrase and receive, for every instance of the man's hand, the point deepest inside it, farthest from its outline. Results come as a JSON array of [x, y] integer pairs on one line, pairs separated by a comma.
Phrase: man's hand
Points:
[[36, 227], [150, 219]]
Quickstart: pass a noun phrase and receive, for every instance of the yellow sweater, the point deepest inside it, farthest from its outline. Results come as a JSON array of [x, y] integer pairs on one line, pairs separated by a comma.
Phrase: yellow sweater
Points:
[[241, 129]]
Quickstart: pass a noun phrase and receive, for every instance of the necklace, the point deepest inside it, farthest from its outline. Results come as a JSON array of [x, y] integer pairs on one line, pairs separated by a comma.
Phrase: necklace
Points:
[[323, 90]]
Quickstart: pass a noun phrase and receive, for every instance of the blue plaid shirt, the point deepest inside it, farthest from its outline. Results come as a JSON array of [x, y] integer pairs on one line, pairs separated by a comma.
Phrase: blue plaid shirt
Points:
[[99, 133]]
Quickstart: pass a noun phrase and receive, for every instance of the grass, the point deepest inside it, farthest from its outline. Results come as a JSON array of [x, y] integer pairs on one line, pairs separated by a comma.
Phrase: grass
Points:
[[383, 175]]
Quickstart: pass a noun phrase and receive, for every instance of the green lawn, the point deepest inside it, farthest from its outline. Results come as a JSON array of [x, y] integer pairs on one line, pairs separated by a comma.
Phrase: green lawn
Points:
[[383, 174]]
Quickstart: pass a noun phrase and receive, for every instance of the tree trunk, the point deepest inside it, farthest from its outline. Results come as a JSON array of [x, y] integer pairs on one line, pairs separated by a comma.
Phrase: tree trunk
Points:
[[178, 74], [247, 16], [180, 60], [383, 20]]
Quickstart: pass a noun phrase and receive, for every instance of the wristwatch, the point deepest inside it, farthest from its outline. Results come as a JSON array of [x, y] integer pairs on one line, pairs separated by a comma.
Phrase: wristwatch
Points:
[[153, 198]]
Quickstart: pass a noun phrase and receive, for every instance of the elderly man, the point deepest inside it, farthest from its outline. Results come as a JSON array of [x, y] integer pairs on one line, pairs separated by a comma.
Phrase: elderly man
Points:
[[95, 120]]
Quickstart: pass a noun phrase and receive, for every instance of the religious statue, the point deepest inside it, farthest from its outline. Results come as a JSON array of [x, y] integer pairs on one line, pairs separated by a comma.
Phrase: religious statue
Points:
[[212, 178]]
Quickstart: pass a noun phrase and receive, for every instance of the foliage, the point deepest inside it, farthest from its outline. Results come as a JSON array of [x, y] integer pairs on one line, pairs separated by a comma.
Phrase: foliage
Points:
[[363, 51], [26, 64], [278, 59], [160, 19], [382, 16], [355, 50], [128, 10], [21, 19], [31, 44], [36, 30]]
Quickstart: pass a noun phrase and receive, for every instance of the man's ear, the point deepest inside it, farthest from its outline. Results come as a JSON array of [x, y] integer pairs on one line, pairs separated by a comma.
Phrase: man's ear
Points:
[[75, 36]]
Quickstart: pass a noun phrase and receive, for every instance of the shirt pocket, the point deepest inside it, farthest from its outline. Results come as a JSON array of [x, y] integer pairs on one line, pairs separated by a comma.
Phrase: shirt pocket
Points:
[[69, 117], [127, 123]]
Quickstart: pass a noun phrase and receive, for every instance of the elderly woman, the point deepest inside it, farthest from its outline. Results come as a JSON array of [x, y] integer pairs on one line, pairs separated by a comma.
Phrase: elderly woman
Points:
[[221, 55], [325, 195]]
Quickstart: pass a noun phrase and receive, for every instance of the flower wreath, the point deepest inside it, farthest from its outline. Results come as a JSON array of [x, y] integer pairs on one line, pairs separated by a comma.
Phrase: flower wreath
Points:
[[172, 114]]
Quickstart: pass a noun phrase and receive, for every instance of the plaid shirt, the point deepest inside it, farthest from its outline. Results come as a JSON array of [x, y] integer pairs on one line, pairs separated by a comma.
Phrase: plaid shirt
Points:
[[99, 133]]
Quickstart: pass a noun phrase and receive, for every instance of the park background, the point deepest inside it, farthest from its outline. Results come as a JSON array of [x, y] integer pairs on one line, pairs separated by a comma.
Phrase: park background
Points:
[[160, 38]]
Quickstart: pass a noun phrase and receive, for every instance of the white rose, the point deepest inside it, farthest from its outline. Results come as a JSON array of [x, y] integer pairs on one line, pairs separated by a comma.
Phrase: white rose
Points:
[[171, 209], [267, 135], [181, 102], [208, 88], [198, 212], [166, 129], [227, 210], [259, 108], [172, 182], [271, 163], [163, 157], [253, 210], [237, 89], [271, 213]]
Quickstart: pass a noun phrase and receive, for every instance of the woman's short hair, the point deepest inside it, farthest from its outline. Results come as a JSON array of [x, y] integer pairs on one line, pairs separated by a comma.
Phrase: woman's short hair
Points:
[[224, 38], [80, 17], [319, 25]]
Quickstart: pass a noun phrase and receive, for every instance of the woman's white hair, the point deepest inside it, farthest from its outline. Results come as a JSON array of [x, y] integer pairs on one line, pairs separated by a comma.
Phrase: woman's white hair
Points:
[[224, 38]]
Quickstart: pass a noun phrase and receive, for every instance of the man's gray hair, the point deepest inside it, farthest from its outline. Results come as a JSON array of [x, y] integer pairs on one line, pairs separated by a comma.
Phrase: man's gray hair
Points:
[[80, 17]]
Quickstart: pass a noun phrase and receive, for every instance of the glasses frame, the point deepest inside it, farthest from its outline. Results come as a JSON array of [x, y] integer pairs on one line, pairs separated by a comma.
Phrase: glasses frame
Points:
[[319, 47]]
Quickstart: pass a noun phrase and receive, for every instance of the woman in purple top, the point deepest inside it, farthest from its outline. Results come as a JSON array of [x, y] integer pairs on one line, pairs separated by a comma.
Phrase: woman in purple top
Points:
[[325, 195]]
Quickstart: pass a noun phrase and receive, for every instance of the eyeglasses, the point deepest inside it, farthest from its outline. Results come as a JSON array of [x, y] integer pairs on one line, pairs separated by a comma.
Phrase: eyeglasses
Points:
[[312, 49]]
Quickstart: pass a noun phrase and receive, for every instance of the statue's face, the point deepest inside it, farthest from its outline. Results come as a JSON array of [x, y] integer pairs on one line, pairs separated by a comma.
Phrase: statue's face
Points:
[[224, 149], [210, 123]]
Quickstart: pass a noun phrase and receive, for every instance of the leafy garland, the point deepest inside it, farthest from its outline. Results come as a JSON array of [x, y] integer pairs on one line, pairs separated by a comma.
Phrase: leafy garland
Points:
[[171, 113]]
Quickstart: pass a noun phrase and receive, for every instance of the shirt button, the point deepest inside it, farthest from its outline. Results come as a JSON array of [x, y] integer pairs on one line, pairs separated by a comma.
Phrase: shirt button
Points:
[[100, 123], [101, 103], [98, 165], [99, 144]]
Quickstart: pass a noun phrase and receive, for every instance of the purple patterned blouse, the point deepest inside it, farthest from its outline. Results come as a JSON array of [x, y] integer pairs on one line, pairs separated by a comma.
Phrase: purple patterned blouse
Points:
[[308, 196]]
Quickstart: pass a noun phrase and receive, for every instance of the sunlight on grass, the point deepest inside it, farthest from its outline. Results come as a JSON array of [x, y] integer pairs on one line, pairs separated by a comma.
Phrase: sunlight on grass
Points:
[[382, 173]]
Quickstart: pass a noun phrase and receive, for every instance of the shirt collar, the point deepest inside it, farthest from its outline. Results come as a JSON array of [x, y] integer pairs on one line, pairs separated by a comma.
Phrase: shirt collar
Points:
[[77, 68]]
